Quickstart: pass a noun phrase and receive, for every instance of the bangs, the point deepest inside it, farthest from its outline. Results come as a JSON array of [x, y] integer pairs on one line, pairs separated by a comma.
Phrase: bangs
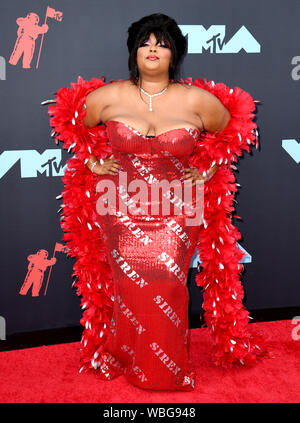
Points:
[[159, 35]]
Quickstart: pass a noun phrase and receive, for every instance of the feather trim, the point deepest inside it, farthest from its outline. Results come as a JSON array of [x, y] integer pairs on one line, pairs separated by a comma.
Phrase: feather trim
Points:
[[82, 232], [225, 314]]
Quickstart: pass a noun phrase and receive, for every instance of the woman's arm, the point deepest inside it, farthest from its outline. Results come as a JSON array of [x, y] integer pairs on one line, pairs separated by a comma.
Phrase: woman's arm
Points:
[[210, 110], [92, 117], [96, 102], [214, 117]]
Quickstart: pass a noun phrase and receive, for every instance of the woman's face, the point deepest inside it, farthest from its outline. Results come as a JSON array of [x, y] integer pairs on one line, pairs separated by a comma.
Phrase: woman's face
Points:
[[160, 50]]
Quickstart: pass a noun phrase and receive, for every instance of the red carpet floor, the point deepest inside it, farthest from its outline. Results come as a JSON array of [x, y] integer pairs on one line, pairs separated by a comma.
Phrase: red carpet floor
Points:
[[50, 374]]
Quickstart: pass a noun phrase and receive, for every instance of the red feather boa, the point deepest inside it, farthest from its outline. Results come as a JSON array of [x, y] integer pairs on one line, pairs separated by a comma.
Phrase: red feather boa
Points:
[[223, 293]]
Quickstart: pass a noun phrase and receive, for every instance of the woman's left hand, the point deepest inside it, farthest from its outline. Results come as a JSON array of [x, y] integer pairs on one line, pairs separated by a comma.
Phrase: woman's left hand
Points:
[[192, 174]]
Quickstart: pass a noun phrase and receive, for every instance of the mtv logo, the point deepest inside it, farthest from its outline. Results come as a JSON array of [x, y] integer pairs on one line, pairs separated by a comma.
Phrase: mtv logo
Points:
[[213, 39], [292, 147], [32, 162]]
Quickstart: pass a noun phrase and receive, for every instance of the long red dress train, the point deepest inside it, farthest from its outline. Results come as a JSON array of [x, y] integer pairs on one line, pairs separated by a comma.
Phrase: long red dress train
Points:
[[105, 288]]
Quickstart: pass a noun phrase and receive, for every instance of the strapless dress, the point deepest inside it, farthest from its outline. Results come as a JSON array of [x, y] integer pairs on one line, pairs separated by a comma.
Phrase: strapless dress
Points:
[[149, 253]]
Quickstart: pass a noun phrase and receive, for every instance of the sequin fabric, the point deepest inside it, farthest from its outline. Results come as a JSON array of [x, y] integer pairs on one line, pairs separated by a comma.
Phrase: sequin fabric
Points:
[[149, 337]]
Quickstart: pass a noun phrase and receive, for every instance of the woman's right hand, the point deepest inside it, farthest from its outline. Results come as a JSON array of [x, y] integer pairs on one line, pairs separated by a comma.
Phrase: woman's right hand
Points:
[[109, 167]]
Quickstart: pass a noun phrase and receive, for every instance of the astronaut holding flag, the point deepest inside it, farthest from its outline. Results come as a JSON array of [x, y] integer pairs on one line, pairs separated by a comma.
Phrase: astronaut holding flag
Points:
[[28, 32], [37, 266]]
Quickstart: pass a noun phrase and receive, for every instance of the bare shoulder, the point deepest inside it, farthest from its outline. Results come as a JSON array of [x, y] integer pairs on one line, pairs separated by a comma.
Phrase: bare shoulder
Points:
[[211, 110], [200, 96], [103, 93], [98, 100], [125, 87]]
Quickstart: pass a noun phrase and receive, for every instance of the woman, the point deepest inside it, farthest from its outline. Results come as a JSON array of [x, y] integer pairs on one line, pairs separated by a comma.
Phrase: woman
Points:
[[132, 267]]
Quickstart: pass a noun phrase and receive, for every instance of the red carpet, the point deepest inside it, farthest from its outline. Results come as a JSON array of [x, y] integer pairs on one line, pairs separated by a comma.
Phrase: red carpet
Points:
[[49, 374]]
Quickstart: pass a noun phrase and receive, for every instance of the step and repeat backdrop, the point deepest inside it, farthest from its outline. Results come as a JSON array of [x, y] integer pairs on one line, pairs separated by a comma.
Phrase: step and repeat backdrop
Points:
[[45, 45]]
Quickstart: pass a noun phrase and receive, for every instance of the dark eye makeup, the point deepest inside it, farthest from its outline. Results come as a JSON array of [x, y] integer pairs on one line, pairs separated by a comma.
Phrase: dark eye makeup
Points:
[[145, 43]]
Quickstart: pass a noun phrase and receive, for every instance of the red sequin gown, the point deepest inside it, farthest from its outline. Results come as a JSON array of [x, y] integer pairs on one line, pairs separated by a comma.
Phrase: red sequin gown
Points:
[[149, 338]]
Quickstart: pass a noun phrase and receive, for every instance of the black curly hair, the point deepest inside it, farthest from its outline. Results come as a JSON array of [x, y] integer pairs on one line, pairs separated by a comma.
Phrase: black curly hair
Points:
[[165, 29]]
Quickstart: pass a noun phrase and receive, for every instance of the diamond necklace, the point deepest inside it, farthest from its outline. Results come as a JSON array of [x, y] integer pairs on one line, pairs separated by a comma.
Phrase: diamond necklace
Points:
[[152, 95]]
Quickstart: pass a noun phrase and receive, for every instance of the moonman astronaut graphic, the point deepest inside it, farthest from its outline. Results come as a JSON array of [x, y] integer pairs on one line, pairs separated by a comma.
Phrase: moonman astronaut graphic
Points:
[[38, 263], [28, 32]]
